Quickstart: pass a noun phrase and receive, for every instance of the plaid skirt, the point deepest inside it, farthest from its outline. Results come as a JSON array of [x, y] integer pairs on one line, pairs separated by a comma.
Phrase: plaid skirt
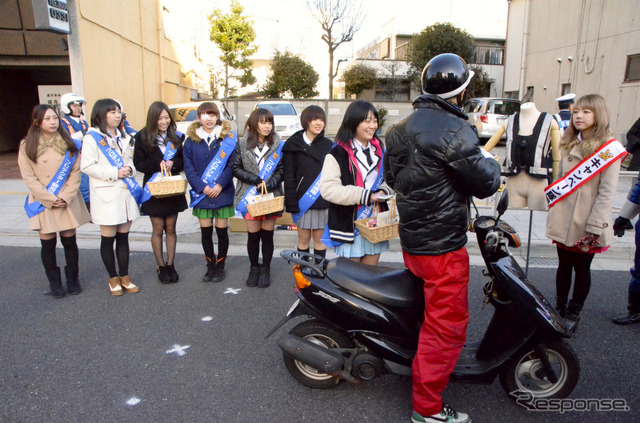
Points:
[[313, 219]]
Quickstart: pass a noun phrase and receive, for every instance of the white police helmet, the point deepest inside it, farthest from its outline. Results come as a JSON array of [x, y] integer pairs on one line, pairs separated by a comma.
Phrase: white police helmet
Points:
[[67, 99]]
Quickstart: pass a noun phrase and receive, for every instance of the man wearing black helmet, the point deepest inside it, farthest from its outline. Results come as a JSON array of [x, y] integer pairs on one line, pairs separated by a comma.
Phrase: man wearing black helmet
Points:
[[434, 164]]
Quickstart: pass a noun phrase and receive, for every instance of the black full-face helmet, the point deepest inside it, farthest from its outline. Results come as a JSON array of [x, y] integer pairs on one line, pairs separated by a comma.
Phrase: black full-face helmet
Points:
[[446, 76]]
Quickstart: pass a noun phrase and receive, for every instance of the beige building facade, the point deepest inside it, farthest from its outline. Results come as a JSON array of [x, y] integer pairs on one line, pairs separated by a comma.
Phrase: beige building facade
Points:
[[580, 46], [118, 49]]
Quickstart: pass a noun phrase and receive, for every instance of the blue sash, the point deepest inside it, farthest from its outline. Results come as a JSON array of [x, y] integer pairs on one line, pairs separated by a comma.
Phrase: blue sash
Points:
[[55, 185], [116, 161], [268, 168], [169, 154], [215, 167], [307, 199], [363, 213]]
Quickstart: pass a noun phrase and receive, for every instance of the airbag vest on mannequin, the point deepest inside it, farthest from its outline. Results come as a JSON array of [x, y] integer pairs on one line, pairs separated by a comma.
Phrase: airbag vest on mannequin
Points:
[[529, 153]]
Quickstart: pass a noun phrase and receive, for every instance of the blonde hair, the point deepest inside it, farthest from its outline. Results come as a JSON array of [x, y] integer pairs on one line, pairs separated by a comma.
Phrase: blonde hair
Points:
[[601, 131]]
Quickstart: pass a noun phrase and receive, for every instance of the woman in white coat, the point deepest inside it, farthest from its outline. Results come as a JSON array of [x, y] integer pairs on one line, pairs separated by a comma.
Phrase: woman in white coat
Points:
[[107, 159]]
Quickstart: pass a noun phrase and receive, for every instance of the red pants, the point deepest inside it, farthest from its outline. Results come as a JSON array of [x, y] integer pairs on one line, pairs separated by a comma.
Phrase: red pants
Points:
[[444, 330]]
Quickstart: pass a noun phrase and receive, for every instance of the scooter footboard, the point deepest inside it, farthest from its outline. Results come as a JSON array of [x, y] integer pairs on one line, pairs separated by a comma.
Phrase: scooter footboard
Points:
[[398, 350]]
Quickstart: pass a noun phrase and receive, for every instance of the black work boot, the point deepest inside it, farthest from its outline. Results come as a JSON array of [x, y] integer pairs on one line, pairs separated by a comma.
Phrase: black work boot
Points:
[[73, 284], [211, 268], [173, 275], [55, 283], [561, 305], [163, 275], [219, 273], [254, 273], [264, 280], [572, 316], [633, 311]]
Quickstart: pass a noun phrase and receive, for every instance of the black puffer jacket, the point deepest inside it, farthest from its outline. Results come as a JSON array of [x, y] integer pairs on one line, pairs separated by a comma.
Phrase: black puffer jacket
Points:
[[434, 164], [302, 165]]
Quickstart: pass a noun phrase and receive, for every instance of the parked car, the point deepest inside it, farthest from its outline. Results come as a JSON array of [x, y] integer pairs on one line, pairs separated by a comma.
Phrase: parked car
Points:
[[487, 114], [185, 113], [285, 117]]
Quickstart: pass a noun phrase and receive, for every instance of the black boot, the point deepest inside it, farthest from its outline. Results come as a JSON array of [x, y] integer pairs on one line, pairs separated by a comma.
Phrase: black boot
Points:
[[561, 305], [218, 273], [633, 311], [173, 275], [163, 274], [73, 284], [254, 274], [264, 280], [211, 268], [572, 316], [55, 283]]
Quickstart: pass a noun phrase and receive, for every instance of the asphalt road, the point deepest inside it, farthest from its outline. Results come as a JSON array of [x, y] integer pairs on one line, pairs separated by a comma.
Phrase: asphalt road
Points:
[[98, 358]]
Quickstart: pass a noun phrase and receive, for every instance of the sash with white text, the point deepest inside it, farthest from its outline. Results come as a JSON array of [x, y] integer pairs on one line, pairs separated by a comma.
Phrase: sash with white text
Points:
[[169, 153], [55, 185], [584, 171], [116, 161], [268, 168], [215, 167]]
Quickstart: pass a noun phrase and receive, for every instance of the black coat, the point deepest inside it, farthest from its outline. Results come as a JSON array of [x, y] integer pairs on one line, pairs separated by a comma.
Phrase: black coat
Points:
[[434, 164], [633, 146], [302, 165], [147, 160]]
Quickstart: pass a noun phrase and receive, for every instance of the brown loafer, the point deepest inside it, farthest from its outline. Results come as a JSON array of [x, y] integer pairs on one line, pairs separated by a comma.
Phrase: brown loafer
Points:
[[115, 287], [126, 283]]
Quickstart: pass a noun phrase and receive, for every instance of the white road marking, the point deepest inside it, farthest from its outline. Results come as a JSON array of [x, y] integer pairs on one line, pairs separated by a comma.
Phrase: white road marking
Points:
[[207, 318], [133, 401], [179, 350], [233, 291]]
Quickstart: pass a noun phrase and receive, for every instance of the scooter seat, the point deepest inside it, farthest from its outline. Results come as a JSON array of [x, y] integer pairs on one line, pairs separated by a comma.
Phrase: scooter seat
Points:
[[384, 285]]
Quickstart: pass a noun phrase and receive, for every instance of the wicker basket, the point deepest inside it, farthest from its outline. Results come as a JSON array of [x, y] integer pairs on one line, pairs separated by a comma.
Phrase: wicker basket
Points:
[[379, 233], [264, 207], [167, 185]]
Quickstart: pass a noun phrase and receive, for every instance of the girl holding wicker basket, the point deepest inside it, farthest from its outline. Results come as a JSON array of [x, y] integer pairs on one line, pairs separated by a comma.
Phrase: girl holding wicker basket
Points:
[[352, 182], [257, 166], [208, 153], [159, 145]]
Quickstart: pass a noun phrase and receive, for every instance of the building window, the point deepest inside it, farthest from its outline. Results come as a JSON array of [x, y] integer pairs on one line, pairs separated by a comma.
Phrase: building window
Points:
[[566, 89], [488, 55], [633, 68], [512, 94]]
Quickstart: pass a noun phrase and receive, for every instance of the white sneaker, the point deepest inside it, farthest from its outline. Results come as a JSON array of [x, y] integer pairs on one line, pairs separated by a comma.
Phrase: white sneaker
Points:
[[446, 415]]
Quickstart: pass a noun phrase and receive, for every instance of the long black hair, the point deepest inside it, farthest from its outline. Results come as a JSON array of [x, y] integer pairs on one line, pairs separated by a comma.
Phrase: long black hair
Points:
[[356, 113], [33, 135], [150, 133]]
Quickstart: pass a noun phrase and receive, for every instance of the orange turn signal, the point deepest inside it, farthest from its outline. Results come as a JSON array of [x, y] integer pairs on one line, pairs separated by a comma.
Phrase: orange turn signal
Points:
[[301, 280]]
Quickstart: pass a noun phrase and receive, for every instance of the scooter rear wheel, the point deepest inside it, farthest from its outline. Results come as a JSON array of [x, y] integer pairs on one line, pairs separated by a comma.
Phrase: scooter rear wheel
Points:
[[524, 377], [325, 336]]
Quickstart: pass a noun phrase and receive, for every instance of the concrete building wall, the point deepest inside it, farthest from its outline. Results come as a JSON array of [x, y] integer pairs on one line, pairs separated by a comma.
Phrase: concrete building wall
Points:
[[582, 44]]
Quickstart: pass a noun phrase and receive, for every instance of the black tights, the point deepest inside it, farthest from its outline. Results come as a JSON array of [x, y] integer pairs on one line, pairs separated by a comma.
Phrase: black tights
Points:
[[568, 262], [162, 225]]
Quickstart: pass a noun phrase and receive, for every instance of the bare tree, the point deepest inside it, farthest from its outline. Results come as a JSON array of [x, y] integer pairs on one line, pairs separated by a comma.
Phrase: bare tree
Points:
[[340, 20]]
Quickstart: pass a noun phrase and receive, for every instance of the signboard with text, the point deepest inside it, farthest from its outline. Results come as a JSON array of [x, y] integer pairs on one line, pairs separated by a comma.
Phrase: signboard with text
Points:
[[51, 15], [50, 94]]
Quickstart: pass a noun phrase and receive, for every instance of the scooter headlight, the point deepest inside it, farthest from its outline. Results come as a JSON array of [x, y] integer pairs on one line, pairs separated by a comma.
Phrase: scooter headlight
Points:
[[301, 280]]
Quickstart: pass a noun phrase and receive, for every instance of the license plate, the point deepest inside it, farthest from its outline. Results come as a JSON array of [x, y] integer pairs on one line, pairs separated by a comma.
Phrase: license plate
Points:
[[293, 307]]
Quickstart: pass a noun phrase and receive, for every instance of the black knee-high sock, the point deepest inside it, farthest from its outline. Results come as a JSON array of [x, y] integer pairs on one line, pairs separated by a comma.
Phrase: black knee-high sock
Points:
[[48, 254], [305, 250], [108, 257], [321, 253], [206, 237], [122, 252], [253, 247], [70, 251], [267, 246], [223, 242]]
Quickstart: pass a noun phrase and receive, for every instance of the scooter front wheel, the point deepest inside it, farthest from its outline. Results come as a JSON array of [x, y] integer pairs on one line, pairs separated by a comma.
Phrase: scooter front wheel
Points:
[[525, 376], [325, 336]]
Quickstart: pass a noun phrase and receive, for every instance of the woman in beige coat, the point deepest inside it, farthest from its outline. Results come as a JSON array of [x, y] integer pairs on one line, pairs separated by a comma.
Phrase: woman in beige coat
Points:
[[42, 154], [580, 224], [113, 206]]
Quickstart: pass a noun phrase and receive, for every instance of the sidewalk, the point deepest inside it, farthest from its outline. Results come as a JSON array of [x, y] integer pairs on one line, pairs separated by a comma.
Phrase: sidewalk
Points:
[[14, 231]]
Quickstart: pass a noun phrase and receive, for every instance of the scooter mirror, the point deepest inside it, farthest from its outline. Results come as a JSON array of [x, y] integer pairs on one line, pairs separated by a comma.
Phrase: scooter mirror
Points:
[[503, 203]]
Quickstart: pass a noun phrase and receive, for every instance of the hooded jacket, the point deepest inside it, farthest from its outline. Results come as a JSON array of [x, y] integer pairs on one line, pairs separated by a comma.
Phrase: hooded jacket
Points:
[[434, 164], [302, 165], [197, 155]]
